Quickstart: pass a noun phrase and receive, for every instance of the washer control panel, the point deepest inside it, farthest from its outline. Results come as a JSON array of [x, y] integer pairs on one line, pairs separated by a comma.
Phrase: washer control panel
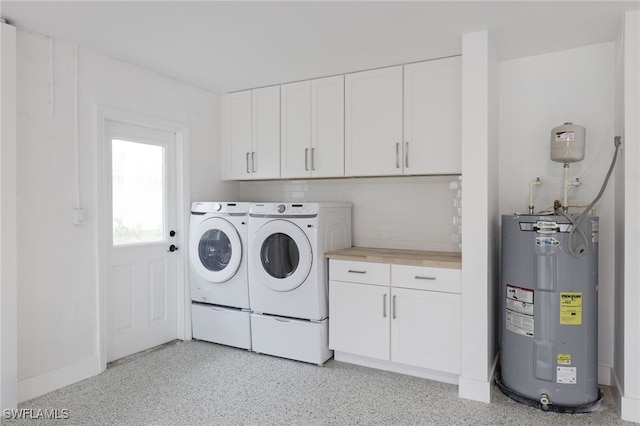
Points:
[[201, 207]]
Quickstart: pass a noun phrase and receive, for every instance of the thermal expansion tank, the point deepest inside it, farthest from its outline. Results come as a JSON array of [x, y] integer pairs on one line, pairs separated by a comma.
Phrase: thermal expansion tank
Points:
[[549, 313]]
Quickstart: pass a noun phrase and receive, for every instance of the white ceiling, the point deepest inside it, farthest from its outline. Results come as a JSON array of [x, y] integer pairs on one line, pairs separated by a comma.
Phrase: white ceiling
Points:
[[233, 45]]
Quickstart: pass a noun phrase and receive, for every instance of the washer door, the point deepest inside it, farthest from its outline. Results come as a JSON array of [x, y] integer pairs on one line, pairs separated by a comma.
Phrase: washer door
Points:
[[283, 255], [216, 250]]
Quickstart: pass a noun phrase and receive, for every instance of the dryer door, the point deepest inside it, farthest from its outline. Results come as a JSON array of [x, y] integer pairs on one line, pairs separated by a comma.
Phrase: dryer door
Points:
[[215, 250], [284, 255]]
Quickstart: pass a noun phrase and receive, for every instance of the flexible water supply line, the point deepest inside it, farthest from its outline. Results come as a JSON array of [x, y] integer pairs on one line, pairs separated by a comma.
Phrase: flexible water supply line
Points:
[[575, 225]]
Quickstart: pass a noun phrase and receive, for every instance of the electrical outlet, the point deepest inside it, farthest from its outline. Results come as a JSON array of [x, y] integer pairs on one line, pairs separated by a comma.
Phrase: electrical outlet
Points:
[[78, 216]]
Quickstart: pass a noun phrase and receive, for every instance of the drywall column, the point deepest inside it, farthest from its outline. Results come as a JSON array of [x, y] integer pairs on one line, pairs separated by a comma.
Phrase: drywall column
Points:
[[479, 216], [8, 221], [630, 399]]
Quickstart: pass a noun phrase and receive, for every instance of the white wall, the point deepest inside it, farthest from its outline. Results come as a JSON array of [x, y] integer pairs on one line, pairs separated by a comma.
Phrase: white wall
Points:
[[541, 92], [8, 219], [401, 212], [58, 330]]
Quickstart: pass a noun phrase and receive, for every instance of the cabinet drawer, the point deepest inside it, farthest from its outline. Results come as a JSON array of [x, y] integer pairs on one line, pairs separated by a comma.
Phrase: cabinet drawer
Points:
[[359, 272], [426, 278]]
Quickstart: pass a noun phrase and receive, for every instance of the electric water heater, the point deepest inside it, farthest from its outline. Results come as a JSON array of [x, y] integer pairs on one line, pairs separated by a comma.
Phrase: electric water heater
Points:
[[549, 313]]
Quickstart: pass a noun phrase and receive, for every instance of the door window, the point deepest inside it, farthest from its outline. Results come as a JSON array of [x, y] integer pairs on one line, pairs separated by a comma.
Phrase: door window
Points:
[[279, 255], [138, 190], [215, 250]]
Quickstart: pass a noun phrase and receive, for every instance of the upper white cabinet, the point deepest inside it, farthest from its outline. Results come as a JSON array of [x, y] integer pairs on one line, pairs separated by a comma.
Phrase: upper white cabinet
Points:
[[327, 126], [416, 131], [312, 126], [265, 133], [432, 117], [373, 122], [251, 134], [383, 122], [236, 135], [295, 137]]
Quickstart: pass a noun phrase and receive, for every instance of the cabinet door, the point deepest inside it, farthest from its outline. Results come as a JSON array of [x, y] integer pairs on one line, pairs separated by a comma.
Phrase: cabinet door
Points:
[[373, 122], [265, 135], [236, 136], [432, 117], [425, 329], [327, 127], [295, 138], [359, 319]]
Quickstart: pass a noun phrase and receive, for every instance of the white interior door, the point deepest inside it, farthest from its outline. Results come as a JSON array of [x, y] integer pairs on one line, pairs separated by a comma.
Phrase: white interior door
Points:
[[141, 270]]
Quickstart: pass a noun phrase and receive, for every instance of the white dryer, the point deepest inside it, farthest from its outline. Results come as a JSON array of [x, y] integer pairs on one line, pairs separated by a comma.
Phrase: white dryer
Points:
[[218, 233], [288, 275]]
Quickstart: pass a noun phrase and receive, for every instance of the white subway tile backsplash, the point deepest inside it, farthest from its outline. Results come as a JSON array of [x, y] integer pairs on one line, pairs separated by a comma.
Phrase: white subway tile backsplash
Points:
[[400, 212]]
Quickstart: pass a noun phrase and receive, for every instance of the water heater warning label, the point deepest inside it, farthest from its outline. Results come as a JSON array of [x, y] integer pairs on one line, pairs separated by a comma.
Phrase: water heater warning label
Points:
[[519, 294], [570, 308], [519, 310]]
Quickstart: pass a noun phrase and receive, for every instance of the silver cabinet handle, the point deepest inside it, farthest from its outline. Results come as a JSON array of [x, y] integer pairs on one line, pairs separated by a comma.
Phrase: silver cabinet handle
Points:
[[406, 155], [248, 163], [397, 156], [353, 271], [313, 158], [393, 309], [384, 305], [253, 162], [418, 277], [306, 159]]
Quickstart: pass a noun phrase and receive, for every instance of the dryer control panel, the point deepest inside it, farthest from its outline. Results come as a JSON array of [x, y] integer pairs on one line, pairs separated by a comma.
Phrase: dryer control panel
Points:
[[285, 209]]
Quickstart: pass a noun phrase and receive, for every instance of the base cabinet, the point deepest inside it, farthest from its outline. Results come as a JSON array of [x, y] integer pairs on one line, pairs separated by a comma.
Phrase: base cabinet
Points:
[[358, 323], [406, 315], [425, 329]]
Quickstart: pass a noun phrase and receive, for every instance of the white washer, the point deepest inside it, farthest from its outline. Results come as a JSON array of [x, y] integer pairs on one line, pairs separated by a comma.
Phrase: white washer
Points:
[[288, 275], [218, 273]]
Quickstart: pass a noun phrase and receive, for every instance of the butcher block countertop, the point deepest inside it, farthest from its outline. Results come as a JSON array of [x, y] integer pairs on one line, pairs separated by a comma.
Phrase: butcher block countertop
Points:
[[437, 259]]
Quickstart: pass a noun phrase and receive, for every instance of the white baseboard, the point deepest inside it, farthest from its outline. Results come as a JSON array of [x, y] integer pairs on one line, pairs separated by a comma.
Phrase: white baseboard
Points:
[[475, 390], [47, 382], [478, 390], [604, 375], [629, 408], [425, 373]]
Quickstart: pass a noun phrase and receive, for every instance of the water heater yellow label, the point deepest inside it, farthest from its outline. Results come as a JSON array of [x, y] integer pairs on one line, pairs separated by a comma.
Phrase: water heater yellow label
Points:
[[564, 359], [570, 308]]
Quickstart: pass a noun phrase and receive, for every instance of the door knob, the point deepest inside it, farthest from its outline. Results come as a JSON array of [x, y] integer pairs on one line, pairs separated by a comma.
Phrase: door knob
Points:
[[172, 233], [172, 248]]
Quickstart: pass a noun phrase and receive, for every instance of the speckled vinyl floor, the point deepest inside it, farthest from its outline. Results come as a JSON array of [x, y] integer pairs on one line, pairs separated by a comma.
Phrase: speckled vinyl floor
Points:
[[198, 383]]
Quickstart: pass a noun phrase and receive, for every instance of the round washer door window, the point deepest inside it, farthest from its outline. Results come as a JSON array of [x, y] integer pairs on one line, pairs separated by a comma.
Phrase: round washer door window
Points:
[[279, 255], [284, 253], [216, 250]]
